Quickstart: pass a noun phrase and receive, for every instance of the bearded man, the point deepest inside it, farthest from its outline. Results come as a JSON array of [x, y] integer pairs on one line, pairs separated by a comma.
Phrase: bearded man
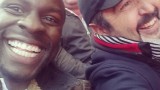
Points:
[[127, 41]]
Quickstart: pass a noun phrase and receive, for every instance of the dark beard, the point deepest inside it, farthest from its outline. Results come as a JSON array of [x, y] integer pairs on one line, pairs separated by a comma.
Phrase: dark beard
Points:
[[147, 17]]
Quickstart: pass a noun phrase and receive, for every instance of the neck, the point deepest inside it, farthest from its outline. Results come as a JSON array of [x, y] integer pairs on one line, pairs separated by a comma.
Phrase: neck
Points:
[[16, 85], [12, 85]]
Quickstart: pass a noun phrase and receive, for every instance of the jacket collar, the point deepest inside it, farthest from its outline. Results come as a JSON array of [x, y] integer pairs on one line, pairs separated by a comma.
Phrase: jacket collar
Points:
[[129, 48]]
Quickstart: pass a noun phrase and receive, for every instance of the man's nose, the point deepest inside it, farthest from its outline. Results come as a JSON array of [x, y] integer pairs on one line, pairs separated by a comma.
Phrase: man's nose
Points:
[[146, 7], [32, 23]]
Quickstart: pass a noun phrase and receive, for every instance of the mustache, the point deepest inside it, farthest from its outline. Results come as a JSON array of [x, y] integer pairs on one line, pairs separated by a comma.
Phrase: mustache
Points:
[[148, 16]]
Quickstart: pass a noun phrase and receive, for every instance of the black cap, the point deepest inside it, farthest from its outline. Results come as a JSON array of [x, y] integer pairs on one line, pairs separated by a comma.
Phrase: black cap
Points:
[[89, 8]]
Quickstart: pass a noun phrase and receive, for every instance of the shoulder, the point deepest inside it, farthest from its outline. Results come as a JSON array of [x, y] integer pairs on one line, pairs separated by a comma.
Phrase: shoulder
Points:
[[119, 79], [122, 73], [51, 77]]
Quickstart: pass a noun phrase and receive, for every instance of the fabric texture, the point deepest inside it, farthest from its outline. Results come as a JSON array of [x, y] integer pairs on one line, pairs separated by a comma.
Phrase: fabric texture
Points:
[[67, 63], [51, 78], [150, 50], [75, 39], [75, 53], [119, 69]]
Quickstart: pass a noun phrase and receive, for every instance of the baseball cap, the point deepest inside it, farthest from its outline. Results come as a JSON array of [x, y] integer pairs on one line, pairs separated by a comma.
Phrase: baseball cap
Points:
[[89, 8]]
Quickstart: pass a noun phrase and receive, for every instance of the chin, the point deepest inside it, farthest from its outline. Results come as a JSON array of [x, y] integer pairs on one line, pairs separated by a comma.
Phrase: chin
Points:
[[16, 77], [155, 41]]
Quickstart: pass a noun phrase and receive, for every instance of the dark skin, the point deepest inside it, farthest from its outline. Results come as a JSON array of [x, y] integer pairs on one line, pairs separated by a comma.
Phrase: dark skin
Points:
[[30, 31]]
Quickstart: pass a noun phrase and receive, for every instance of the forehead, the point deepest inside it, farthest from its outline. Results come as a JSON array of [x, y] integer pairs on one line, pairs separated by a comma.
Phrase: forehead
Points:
[[35, 1], [40, 4]]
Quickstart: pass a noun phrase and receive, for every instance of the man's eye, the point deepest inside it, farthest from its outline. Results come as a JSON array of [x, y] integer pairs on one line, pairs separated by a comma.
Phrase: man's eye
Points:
[[14, 9], [125, 5], [50, 20], [17, 9]]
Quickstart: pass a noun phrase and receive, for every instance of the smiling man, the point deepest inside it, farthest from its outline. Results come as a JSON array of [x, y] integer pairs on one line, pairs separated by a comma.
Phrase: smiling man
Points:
[[30, 31], [127, 38]]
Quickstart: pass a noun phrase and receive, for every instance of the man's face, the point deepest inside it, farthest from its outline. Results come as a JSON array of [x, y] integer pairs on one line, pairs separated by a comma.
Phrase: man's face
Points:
[[71, 4], [29, 35], [135, 19]]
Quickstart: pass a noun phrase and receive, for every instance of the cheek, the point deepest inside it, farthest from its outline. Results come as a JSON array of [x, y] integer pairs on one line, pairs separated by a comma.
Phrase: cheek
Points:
[[156, 2], [123, 23], [7, 19], [126, 25], [55, 35], [129, 22]]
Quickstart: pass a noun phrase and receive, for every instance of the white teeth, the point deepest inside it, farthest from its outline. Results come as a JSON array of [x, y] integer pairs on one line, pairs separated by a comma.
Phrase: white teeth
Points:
[[24, 46], [23, 53], [24, 49], [149, 24]]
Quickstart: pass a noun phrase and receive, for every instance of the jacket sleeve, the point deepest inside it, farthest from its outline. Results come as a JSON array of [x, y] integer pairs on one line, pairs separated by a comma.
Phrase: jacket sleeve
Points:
[[75, 39], [116, 78], [67, 63]]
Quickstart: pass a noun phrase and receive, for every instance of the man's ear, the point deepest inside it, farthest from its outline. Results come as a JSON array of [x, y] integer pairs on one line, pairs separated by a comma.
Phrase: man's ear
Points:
[[98, 29]]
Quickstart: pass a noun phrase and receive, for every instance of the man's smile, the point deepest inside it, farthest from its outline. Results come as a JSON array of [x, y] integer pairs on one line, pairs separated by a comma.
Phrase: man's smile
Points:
[[24, 49], [151, 27], [149, 24]]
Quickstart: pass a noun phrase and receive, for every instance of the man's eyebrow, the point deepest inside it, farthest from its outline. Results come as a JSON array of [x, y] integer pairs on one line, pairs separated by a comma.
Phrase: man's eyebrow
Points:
[[18, 1], [24, 2]]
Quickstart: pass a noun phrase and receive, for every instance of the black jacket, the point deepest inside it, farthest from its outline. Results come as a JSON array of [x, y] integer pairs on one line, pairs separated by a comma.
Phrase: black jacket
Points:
[[116, 70], [51, 78], [75, 39], [76, 49]]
